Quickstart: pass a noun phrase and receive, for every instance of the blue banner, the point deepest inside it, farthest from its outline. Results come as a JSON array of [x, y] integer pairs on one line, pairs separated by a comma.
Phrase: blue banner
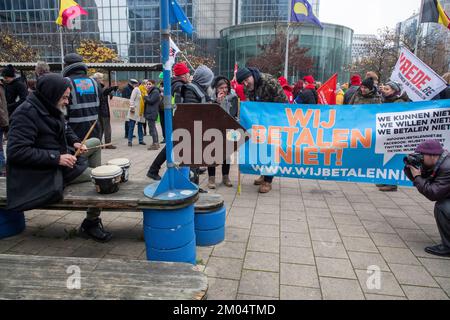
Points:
[[359, 143]]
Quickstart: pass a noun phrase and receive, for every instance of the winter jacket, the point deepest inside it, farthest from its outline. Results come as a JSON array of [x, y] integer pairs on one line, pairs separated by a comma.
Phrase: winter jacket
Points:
[[16, 92], [435, 188], [135, 102], [177, 84], [194, 93], [38, 136], [267, 88], [445, 94], [340, 97], [152, 102], [350, 93], [308, 96], [396, 98], [105, 96], [230, 102], [126, 92], [84, 103], [372, 98], [4, 118]]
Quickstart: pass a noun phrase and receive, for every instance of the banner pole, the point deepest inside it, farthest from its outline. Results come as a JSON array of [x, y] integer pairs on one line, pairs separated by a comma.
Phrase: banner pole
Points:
[[286, 63], [239, 189]]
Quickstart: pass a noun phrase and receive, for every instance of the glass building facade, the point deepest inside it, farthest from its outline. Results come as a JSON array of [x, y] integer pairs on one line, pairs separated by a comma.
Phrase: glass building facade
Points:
[[330, 48], [129, 26], [267, 10]]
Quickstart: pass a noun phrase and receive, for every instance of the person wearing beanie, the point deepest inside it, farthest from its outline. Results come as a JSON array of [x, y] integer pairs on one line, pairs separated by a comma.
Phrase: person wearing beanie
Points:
[[41, 152], [15, 89], [366, 94], [432, 180], [309, 93], [84, 104], [355, 82], [181, 76], [261, 87], [392, 93]]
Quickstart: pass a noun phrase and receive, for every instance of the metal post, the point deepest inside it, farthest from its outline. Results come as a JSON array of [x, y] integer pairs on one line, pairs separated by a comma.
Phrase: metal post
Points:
[[168, 108], [416, 47], [286, 64], [62, 47]]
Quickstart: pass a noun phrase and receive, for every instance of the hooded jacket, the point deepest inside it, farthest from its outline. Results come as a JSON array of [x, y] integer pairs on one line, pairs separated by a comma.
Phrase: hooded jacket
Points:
[[197, 90], [4, 119], [84, 104], [267, 88], [16, 92], [396, 98], [38, 136]]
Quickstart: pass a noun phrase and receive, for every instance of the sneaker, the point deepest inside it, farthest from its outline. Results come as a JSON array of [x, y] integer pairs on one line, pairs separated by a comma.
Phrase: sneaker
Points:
[[212, 183], [130, 144], [259, 181], [111, 147], [93, 229], [142, 143], [153, 176], [226, 181], [265, 187]]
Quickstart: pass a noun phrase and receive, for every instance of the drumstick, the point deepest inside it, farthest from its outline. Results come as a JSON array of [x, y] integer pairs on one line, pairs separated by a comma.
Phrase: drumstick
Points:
[[85, 138], [101, 146]]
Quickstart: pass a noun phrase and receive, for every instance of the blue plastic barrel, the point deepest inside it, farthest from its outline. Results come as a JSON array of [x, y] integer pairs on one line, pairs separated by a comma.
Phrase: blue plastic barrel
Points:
[[11, 223], [169, 235], [210, 227]]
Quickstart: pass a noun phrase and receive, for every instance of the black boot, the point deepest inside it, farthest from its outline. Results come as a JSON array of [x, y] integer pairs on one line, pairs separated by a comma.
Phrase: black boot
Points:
[[439, 250], [94, 229]]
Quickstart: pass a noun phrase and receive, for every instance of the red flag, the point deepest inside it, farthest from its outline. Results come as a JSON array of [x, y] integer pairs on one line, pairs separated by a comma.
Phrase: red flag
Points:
[[327, 92]]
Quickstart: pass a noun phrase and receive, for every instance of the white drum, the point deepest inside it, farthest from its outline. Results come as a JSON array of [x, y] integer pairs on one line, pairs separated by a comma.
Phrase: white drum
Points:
[[125, 164], [107, 178]]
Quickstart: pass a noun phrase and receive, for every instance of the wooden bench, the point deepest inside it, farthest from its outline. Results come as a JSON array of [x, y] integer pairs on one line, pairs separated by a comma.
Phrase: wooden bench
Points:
[[36, 278], [130, 197]]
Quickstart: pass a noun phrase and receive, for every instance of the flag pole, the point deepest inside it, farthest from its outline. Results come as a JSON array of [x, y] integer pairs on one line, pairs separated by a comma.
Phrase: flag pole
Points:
[[62, 47], [190, 65], [286, 63], [239, 188], [416, 47]]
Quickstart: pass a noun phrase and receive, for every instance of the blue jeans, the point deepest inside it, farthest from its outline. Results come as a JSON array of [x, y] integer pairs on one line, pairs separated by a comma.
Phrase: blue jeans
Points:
[[131, 130], [2, 155]]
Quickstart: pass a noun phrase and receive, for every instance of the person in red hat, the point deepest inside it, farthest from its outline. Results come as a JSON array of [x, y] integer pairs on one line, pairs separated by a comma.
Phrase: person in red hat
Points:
[[432, 179], [287, 89], [309, 94], [355, 82]]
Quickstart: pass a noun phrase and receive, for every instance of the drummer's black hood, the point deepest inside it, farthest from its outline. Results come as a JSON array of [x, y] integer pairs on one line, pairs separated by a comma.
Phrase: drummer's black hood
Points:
[[50, 88]]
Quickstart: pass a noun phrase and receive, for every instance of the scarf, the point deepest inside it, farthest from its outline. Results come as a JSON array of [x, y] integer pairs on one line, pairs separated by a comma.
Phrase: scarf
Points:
[[142, 103]]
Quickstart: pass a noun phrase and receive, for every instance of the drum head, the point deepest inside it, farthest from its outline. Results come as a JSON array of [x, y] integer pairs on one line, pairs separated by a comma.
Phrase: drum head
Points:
[[121, 162], [106, 171]]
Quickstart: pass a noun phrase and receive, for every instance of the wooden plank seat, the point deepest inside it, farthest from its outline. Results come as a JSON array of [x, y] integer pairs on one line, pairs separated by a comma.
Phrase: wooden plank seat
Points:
[[130, 197], [36, 278]]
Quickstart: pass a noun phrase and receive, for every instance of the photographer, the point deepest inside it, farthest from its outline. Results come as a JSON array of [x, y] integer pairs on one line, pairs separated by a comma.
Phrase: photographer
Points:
[[429, 169]]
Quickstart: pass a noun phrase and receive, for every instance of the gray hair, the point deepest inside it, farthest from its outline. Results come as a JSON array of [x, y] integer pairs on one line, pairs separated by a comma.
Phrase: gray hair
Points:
[[42, 67]]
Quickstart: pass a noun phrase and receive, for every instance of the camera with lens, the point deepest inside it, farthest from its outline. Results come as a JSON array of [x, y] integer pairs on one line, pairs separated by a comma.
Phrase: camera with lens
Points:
[[414, 159]]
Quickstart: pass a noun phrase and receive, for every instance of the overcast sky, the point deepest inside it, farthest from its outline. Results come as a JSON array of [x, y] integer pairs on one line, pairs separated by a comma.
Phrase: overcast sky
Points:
[[367, 16]]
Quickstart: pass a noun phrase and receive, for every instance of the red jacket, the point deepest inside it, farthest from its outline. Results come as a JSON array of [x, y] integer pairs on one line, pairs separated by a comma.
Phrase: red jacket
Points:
[[287, 89], [239, 88]]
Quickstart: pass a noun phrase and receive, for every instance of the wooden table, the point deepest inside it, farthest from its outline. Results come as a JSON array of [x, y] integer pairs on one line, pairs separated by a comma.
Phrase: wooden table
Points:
[[38, 278]]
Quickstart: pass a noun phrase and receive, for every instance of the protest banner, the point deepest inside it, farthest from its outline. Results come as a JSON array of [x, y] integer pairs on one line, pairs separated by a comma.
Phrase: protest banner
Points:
[[419, 81], [359, 143], [119, 108]]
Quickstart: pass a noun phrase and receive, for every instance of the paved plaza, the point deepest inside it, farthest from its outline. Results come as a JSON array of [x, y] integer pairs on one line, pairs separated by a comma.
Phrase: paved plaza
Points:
[[305, 240]]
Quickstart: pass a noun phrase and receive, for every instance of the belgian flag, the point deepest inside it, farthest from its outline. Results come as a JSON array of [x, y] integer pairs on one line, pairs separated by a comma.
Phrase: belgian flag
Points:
[[432, 11]]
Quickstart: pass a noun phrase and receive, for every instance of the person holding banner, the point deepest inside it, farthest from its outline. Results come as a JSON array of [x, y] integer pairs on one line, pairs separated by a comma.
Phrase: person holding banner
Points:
[[432, 179], [261, 87], [309, 94], [366, 94], [355, 82]]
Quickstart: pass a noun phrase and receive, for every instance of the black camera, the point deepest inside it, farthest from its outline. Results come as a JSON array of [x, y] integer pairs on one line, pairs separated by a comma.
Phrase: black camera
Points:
[[414, 159]]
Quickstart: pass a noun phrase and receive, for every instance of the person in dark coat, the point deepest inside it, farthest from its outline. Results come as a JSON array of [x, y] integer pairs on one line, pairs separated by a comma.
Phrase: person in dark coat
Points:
[[126, 93], [366, 94], [309, 94], [152, 102], [15, 89], [4, 123], [40, 154], [355, 82], [104, 114], [433, 181], [181, 77]]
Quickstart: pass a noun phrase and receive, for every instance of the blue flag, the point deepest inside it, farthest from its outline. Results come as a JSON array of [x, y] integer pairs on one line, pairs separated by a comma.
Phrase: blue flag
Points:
[[302, 12], [177, 16]]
